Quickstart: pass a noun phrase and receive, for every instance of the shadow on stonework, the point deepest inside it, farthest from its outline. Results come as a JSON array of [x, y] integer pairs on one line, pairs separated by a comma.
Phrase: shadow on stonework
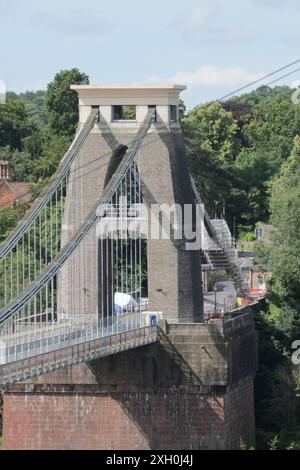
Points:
[[163, 398]]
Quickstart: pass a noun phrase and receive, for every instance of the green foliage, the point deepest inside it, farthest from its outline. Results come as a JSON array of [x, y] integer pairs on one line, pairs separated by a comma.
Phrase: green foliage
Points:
[[62, 103], [210, 134], [262, 254], [237, 147], [38, 249], [274, 123], [40, 158], [244, 446], [277, 403], [53, 149], [274, 443], [129, 112], [215, 130], [11, 278], [130, 282], [181, 110], [35, 104], [254, 169], [9, 217], [254, 97], [21, 163], [284, 258], [277, 384], [33, 147], [14, 124], [234, 148], [213, 181], [246, 236]]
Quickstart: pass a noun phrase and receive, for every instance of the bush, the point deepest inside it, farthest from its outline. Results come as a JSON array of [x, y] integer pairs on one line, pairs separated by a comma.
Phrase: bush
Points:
[[247, 237]]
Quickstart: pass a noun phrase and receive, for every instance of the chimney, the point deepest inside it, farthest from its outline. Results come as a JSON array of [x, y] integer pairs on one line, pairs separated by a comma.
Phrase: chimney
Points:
[[4, 170]]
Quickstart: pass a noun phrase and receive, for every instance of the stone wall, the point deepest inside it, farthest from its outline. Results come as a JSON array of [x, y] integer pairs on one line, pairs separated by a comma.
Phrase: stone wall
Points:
[[115, 421], [174, 274], [189, 391]]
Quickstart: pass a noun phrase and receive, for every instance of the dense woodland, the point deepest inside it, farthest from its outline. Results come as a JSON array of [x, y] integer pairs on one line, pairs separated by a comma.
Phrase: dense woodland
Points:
[[244, 152]]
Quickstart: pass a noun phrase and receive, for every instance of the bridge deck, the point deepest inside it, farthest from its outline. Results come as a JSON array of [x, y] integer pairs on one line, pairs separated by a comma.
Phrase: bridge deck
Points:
[[82, 352]]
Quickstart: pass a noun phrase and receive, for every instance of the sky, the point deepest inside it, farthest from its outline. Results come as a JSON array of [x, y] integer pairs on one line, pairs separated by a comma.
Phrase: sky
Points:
[[212, 46]]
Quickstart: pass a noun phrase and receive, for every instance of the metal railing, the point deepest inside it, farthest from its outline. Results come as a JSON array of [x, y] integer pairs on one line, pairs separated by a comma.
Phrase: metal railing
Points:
[[97, 212], [221, 236], [207, 220], [51, 188], [81, 352]]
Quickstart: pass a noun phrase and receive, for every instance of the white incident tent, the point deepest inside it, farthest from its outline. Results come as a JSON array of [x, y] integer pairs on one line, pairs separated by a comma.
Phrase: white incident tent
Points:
[[124, 303]]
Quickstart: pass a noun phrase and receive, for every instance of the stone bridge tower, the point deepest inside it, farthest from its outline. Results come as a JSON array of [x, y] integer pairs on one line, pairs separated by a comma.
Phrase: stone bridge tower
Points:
[[174, 273], [190, 389]]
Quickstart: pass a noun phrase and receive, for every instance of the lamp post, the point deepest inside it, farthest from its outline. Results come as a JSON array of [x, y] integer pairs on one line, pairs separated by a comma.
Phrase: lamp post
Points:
[[224, 208], [234, 218], [215, 299], [216, 205]]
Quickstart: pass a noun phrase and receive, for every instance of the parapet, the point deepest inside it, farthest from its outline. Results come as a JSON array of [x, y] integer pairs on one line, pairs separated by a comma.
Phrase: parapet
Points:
[[128, 104]]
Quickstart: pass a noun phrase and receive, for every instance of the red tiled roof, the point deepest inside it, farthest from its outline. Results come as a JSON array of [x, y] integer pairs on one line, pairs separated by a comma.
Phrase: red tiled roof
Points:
[[19, 192]]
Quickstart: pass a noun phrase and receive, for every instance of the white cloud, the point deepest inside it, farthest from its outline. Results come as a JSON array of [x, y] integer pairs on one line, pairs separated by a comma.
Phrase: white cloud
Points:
[[210, 75], [81, 21], [195, 17]]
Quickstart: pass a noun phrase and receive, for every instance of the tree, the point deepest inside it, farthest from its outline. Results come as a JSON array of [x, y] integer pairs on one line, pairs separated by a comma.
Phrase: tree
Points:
[[284, 257], [35, 105], [181, 110], [277, 402], [215, 129], [254, 169], [62, 103], [254, 97], [212, 145], [242, 114], [9, 217], [213, 181], [14, 124], [274, 123], [52, 153]]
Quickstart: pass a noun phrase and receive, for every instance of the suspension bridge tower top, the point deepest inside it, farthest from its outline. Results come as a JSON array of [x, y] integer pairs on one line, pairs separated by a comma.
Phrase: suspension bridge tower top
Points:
[[128, 105]]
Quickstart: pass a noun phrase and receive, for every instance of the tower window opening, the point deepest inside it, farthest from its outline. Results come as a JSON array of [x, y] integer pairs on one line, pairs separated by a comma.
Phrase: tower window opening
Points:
[[173, 113], [124, 113], [153, 106], [97, 108]]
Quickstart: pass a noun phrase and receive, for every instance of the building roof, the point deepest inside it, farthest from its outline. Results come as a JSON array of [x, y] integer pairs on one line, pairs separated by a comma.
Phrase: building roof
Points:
[[11, 191]]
